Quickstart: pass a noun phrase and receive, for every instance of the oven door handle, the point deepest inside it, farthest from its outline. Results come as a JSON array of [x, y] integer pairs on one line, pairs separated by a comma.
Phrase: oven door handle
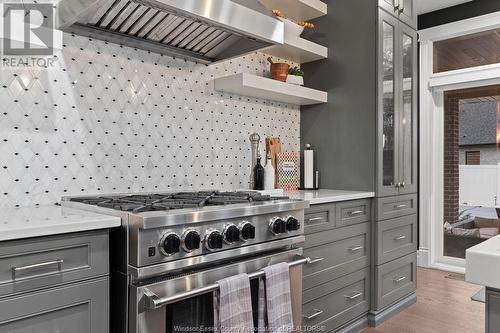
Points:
[[153, 301]]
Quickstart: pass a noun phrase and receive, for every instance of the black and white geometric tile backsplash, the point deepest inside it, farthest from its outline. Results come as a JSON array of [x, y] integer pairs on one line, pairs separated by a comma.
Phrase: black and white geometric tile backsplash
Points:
[[114, 119]]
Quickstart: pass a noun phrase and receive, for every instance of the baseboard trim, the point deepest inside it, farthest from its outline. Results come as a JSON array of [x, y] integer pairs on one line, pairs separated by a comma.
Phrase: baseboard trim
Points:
[[376, 318], [354, 327]]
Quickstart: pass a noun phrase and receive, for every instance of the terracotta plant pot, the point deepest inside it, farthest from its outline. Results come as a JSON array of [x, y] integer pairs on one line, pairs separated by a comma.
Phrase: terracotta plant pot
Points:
[[279, 70]]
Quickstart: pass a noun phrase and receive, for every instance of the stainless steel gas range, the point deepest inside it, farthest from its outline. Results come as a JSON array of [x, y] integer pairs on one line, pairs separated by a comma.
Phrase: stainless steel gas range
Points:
[[173, 247]]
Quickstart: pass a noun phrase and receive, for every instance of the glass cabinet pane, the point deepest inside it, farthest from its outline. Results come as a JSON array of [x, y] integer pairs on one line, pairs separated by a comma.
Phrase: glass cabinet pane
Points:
[[407, 121], [388, 120]]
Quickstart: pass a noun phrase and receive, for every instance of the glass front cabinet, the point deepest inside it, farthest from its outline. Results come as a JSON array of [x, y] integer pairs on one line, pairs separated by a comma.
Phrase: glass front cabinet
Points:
[[397, 107]]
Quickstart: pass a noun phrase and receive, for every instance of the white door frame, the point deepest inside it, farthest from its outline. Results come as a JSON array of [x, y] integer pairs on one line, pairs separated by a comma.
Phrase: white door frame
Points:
[[432, 87]]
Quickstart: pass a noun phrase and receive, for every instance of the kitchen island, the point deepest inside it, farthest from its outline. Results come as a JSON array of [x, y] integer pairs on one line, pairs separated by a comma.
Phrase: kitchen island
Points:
[[483, 268]]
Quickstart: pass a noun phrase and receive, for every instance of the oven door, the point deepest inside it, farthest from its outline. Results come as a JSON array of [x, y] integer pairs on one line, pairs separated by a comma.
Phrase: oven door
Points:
[[185, 303]]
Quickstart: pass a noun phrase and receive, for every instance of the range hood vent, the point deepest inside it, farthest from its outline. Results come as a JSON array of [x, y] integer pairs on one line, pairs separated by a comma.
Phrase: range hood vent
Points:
[[202, 30]]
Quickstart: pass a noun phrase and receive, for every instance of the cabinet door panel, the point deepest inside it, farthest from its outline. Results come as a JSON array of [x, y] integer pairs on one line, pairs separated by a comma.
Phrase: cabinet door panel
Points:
[[389, 5], [388, 95], [408, 110], [407, 13], [76, 308]]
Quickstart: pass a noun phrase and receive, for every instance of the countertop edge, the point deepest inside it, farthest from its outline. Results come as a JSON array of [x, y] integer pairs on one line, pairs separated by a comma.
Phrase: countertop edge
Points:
[[342, 198], [316, 197], [60, 228]]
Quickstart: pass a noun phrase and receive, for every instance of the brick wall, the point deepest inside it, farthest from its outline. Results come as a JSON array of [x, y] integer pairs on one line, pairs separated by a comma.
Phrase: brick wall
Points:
[[451, 158]]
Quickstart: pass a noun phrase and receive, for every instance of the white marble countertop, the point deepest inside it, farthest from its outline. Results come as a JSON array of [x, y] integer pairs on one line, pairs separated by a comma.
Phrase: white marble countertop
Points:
[[327, 196], [25, 222], [482, 263]]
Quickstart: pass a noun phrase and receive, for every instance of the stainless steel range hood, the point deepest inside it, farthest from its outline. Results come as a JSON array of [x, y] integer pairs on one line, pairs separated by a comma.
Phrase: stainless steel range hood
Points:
[[201, 30]]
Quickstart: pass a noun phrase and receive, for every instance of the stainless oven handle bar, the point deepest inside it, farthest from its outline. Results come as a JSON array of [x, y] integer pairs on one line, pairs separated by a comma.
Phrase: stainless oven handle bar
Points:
[[152, 301]]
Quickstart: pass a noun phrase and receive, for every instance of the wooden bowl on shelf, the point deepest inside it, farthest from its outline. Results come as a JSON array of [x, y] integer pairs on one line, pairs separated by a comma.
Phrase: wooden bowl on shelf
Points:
[[279, 70]]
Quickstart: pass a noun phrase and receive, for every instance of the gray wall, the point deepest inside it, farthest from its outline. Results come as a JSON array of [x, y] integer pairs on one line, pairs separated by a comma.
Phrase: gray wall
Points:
[[343, 130]]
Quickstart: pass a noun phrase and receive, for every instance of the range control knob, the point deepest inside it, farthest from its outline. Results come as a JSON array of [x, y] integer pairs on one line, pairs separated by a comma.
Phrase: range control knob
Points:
[[170, 244], [191, 240], [214, 240], [292, 224], [247, 231], [231, 234], [277, 226]]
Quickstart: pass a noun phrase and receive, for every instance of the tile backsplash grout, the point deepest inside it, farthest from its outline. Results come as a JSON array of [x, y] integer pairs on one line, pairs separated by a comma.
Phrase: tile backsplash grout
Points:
[[110, 119]]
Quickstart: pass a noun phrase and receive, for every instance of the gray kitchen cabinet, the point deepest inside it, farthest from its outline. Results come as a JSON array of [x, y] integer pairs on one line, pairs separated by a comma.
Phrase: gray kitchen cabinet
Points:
[[397, 108], [392, 207], [366, 135], [35, 263], [76, 308], [336, 281], [404, 10], [395, 238], [319, 218], [336, 253], [55, 284], [352, 212], [394, 281], [333, 304]]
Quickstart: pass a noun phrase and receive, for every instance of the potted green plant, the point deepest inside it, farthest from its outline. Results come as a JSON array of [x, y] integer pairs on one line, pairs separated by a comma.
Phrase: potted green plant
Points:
[[295, 76]]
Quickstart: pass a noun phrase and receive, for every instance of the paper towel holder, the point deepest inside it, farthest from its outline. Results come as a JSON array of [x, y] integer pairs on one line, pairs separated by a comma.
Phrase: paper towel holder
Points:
[[308, 161]]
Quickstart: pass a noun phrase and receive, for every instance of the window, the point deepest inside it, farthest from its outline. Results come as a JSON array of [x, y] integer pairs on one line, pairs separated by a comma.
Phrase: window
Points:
[[473, 157], [467, 51]]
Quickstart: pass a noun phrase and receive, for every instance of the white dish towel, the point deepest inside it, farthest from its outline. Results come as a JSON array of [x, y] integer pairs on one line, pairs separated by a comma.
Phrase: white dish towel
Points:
[[233, 305], [275, 303]]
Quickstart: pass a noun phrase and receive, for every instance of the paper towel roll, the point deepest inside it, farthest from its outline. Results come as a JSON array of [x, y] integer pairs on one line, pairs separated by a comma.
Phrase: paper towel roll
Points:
[[308, 167]]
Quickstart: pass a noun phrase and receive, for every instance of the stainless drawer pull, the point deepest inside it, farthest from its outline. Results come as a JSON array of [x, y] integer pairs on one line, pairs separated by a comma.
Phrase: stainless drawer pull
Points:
[[41, 265], [312, 219], [398, 238], [316, 313], [400, 206], [356, 212], [315, 260], [353, 297], [356, 248], [399, 279]]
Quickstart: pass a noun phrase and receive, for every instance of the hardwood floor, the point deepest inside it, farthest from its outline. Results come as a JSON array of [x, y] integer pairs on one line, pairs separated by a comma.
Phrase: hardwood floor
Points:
[[443, 306]]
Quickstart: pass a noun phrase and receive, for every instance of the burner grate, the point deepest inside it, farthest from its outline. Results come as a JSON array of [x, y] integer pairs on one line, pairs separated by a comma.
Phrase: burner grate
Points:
[[138, 203]]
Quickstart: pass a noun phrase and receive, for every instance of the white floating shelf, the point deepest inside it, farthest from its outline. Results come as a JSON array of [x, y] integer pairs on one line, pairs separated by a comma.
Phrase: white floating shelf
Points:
[[298, 10], [298, 50], [261, 87]]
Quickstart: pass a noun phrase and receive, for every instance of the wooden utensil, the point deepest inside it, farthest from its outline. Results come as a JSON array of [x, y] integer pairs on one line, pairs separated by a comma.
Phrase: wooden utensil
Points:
[[279, 70], [273, 147]]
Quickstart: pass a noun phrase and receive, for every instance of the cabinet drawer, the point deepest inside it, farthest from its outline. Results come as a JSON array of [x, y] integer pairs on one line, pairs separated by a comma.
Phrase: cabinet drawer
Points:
[[76, 308], [395, 280], [337, 302], [396, 238], [319, 217], [36, 263], [391, 207], [352, 212], [341, 252]]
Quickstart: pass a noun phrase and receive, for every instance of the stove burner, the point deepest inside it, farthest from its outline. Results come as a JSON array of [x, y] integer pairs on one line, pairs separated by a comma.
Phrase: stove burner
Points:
[[138, 203]]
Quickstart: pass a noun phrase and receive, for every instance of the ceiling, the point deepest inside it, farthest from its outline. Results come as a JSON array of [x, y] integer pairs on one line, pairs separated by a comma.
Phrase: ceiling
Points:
[[425, 6]]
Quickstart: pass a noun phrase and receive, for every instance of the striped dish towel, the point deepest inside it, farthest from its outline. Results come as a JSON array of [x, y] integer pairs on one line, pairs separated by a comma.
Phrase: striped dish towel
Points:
[[233, 305], [275, 303]]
